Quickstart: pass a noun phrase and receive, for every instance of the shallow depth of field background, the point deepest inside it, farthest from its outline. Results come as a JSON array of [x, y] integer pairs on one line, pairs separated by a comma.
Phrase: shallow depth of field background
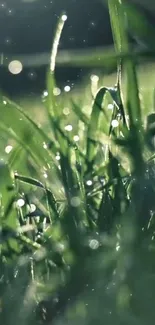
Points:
[[77, 165]]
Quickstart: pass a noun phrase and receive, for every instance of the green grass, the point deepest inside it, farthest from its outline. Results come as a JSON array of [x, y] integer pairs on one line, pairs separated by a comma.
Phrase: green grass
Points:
[[77, 217]]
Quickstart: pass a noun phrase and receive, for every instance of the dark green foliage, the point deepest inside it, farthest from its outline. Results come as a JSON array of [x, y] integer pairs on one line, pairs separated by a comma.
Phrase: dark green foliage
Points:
[[77, 218]]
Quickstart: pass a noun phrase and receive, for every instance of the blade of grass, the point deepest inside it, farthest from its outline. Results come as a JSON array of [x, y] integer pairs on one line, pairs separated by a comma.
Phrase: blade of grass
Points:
[[51, 201], [94, 122], [118, 22], [52, 106], [26, 132]]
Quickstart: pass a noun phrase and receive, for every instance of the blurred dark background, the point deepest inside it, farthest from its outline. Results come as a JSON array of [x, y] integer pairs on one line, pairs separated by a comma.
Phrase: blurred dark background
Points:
[[27, 27]]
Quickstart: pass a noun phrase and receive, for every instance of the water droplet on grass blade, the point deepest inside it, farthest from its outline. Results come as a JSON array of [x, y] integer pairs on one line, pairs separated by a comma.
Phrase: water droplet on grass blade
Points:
[[69, 127], [94, 78], [56, 91], [57, 157], [64, 17], [45, 146], [8, 149], [66, 111], [89, 183], [110, 106], [45, 93], [76, 138], [117, 247], [114, 123], [94, 244], [20, 203], [32, 208]]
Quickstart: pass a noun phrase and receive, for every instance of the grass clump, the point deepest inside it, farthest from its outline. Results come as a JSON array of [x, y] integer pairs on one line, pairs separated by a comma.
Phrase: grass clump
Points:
[[77, 205]]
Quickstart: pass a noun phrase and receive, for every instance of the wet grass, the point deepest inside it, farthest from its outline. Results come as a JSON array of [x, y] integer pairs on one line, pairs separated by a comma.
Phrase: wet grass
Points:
[[77, 201]]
